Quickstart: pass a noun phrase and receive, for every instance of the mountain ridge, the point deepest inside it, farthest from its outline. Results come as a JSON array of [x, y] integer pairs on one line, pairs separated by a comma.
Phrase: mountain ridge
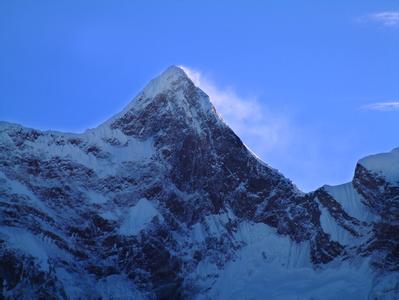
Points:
[[163, 200]]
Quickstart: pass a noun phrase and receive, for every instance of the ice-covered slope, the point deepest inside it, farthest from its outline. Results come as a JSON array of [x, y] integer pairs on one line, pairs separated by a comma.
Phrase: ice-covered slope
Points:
[[384, 164], [164, 201]]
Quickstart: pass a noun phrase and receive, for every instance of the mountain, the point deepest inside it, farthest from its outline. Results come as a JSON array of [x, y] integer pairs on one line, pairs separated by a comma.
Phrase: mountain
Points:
[[164, 201]]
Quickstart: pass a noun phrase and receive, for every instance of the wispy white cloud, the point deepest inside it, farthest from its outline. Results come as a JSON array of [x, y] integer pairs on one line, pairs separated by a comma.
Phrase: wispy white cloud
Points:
[[303, 152], [386, 18], [382, 106], [259, 127]]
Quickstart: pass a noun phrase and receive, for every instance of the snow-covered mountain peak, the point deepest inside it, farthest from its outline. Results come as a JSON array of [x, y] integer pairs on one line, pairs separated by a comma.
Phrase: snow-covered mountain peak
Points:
[[174, 71], [171, 79], [164, 201], [383, 164], [170, 99]]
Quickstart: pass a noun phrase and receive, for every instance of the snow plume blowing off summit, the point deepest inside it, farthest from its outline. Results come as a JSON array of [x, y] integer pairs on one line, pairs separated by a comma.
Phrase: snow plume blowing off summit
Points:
[[164, 201], [246, 116]]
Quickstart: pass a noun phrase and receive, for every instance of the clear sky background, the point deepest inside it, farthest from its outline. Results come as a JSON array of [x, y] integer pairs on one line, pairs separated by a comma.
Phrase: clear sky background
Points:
[[310, 86]]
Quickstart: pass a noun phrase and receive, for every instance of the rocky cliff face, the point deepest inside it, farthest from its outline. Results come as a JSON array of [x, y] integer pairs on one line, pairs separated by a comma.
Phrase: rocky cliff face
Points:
[[164, 201]]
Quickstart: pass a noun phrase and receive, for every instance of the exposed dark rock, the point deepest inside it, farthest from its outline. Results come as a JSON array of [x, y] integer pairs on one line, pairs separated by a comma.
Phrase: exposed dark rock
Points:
[[175, 200]]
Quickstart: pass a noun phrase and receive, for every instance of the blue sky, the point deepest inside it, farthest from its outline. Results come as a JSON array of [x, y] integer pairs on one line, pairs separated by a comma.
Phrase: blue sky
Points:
[[310, 86]]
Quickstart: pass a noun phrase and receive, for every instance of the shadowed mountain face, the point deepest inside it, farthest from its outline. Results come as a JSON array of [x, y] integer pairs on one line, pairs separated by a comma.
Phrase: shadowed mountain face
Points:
[[164, 201]]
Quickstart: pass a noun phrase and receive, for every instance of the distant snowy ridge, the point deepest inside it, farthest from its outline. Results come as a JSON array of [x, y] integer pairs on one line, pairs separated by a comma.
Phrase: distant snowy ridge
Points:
[[384, 164]]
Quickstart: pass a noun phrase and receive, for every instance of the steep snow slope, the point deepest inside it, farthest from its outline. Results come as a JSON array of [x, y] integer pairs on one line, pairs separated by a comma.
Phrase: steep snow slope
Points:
[[384, 164], [271, 266], [351, 201], [164, 201]]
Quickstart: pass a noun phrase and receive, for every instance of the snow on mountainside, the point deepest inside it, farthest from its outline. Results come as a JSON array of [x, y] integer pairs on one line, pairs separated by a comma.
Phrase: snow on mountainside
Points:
[[164, 201], [384, 164]]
